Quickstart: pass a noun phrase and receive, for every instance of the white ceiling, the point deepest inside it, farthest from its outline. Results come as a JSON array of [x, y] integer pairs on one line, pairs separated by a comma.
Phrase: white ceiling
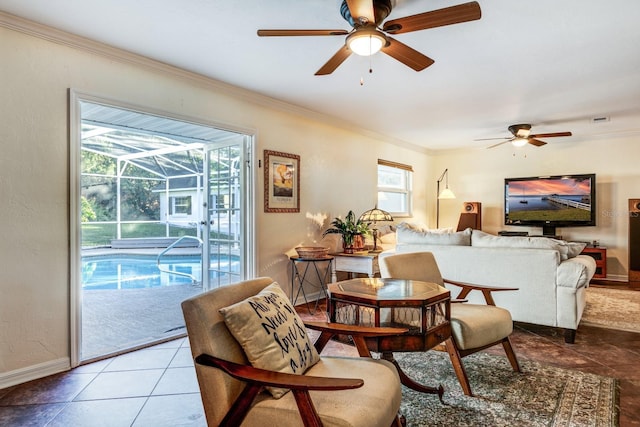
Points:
[[554, 64]]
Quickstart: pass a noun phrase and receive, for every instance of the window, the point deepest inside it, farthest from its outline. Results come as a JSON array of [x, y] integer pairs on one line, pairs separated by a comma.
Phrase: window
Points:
[[394, 187], [180, 205]]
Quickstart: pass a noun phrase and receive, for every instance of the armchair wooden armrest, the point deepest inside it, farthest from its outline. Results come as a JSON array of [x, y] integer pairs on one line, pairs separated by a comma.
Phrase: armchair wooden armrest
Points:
[[356, 332], [257, 378], [486, 290]]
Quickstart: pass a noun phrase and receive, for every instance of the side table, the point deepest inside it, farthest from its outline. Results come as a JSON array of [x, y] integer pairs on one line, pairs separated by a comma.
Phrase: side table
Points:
[[422, 307], [299, 271], [355, 263]]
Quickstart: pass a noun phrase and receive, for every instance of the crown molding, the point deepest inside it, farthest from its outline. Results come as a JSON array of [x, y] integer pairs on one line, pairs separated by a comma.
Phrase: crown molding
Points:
[[73, 41]]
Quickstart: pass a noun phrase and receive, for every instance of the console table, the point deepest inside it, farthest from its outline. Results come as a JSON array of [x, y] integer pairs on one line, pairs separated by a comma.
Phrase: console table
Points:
[[355, 263], [598, 253]]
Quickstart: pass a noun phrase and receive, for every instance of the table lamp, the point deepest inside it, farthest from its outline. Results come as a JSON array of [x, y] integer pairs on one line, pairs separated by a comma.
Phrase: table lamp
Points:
[[374, 216]]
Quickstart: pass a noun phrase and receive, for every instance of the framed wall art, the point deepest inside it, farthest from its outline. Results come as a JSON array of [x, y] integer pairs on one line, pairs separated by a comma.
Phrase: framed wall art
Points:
[[281, 182]]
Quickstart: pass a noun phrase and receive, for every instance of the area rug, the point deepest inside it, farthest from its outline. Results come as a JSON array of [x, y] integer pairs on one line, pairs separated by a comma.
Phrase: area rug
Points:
[[612, 308], [539, 396]]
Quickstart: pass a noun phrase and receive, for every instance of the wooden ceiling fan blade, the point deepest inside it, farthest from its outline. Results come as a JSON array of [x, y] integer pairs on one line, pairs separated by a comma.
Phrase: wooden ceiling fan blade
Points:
[[536, 142], [436, 18], [289, 33], [408, 56], [550, 135], [335, 61], [498, 144], [492, 139], [362, 9]]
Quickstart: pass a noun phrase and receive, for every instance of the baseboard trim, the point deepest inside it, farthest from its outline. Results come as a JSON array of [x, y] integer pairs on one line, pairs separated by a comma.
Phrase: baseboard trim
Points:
[[611, 280], [34, 372]]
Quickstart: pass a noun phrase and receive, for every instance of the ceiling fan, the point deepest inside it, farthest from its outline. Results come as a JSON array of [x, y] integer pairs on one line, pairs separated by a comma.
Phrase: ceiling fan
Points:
[[368, 36], [522, 136]]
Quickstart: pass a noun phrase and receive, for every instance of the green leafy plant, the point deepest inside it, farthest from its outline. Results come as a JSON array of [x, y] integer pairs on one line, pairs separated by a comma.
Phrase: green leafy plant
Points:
[[348, 227]]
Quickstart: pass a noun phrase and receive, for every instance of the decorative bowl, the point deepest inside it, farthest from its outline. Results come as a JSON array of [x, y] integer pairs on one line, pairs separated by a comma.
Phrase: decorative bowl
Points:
[[312, 251]]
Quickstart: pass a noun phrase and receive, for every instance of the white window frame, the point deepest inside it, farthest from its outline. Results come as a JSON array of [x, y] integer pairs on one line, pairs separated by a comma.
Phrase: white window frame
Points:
[[405, 193], [184, 203]]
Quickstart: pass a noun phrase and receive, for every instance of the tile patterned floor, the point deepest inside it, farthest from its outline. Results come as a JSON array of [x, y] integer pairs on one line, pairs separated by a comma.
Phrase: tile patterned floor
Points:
[[157, 386], [151, 387]]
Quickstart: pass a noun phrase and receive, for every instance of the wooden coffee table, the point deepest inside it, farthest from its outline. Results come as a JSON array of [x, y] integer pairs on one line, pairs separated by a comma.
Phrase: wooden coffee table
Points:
[[423, 307]]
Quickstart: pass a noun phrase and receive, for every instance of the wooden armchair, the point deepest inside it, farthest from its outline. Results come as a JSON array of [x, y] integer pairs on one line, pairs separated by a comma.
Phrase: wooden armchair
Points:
[[335, 391], [474, 327]]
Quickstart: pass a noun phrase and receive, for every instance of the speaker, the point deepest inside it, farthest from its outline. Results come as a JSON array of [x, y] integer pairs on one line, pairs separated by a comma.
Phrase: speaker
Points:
[[471, 216], [634, 242], [472, 207]]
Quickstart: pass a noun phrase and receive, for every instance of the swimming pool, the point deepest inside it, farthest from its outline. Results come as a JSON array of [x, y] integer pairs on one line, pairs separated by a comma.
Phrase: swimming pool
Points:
[[139, 272]]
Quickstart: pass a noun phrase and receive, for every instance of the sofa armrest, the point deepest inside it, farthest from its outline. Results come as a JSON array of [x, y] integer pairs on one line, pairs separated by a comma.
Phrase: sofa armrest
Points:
[[486, 290], [576, 272]]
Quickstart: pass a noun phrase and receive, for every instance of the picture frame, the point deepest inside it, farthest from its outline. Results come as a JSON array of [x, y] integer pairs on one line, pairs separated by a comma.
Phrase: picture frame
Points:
[[281, 182]]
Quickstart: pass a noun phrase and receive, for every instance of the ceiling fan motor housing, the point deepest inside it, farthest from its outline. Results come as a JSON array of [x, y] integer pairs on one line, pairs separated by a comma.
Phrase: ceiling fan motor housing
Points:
[[521, 131], [381, 9]]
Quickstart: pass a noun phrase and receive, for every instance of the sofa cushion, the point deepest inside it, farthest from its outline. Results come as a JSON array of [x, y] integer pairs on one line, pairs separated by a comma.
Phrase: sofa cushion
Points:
[[410, 234], [485, 240], [271, 333]]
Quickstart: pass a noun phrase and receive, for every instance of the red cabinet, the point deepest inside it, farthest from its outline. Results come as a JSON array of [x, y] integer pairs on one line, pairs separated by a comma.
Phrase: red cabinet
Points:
[[598, 253]]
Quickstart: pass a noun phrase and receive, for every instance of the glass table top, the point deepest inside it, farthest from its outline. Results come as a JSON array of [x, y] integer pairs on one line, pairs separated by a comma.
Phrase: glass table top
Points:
[[388, 289]]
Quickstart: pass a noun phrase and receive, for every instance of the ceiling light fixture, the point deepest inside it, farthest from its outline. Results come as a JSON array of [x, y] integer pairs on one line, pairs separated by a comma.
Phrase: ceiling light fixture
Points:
[[366, 41], [519, 142]]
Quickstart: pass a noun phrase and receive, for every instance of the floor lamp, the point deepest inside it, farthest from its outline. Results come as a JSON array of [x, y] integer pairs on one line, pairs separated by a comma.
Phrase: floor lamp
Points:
[[445, 194]]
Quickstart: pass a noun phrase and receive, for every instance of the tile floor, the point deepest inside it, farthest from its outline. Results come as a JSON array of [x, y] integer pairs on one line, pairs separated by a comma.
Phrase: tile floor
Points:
[[157, 386], [151, 387]]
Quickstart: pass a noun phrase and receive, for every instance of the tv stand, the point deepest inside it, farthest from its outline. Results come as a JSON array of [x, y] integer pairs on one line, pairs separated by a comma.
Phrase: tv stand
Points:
[[549, 231]]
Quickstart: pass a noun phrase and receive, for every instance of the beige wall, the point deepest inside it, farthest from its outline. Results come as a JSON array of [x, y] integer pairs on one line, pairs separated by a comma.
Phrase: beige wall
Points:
[[478, 175], [338, 173]]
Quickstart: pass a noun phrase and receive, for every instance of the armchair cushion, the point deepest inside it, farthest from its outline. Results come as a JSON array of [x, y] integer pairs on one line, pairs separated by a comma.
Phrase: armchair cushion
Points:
[[271, 333], [475, 325], [374, 404]]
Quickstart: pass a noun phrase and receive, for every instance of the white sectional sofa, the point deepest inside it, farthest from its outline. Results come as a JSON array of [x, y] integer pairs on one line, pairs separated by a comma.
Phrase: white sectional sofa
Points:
[[551, 275]]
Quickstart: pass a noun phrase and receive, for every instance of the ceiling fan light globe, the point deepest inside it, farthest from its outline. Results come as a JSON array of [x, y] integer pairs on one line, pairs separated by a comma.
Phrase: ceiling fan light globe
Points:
[[519, 142], [366, 42]]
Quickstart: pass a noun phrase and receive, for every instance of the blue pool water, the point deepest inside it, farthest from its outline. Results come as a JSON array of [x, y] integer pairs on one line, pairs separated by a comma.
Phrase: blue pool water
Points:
[[138, 272]]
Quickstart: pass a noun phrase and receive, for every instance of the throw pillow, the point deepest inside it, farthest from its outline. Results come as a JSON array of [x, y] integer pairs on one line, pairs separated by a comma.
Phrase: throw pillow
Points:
[[575, 248], [389, 238], [485, 240], [271, 333], [409, 234]]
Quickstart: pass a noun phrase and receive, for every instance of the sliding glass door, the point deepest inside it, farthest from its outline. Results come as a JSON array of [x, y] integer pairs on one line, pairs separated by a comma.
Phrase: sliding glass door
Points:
[[161, 211]]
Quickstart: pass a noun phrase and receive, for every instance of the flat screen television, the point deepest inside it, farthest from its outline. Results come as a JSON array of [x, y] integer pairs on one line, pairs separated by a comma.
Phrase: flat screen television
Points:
[[550, 201]]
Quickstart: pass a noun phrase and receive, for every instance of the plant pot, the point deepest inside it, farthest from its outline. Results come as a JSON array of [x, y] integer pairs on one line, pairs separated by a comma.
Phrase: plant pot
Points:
[[356, 244]]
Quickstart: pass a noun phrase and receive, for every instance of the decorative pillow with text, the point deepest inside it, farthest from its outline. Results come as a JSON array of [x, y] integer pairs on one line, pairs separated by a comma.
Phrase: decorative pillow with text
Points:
[[271, 333]]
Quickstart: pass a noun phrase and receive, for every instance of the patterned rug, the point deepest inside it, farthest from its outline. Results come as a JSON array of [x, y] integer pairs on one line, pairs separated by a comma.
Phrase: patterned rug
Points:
[[612, 308], [540, 396]]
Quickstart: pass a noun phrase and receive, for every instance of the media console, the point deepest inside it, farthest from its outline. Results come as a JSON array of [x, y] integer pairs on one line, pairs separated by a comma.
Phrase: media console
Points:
[[598, 253]]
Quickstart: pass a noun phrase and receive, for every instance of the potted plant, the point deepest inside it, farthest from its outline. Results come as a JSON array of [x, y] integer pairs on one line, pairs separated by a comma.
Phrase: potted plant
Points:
[[352, 231]]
